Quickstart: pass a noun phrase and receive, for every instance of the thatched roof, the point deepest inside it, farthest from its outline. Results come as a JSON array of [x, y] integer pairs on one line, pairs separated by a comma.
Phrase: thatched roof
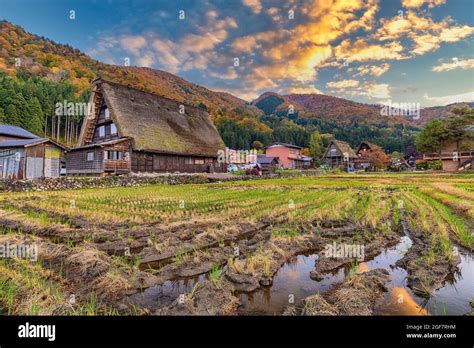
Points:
[[343, 148], [156, 125], [371, 146]]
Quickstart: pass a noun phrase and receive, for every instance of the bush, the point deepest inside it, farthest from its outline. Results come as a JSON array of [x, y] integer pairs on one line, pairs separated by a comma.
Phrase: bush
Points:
[[429, 165]]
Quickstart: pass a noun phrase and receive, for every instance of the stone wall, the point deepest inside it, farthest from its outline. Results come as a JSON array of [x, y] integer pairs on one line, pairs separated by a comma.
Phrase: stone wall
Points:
[[77, 182], [69, 183]]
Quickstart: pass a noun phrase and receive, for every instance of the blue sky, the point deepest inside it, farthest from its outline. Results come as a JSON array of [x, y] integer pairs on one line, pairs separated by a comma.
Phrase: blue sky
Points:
[[365, 50]]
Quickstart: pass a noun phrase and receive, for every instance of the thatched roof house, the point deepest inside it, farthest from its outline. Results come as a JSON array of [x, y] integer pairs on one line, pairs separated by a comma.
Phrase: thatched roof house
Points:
[[339, 153], [371, 157], [132, 130]]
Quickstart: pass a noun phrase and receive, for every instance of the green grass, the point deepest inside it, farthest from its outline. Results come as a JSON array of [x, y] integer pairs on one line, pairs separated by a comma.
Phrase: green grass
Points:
[[216, 274]]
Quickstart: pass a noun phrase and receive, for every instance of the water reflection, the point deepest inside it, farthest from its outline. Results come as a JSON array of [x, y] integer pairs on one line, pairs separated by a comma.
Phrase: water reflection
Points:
[[293, 279]]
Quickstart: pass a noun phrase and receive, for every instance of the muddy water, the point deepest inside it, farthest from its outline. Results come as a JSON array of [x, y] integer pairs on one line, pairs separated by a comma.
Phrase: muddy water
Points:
[[454, 297], [292, 282], [165, 294], [292, 279]]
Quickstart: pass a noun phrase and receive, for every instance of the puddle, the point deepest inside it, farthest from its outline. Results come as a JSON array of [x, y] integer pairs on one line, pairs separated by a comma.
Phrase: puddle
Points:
[[293, 279], [292, 282], [454, 297], [164, 295]]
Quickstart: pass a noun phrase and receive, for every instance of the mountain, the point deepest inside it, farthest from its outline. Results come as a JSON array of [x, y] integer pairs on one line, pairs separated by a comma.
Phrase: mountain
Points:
[[331, 108], [440, 112]]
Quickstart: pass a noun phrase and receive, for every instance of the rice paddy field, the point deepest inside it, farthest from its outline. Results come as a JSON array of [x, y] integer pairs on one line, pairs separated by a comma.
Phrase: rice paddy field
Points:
[[373, 244]]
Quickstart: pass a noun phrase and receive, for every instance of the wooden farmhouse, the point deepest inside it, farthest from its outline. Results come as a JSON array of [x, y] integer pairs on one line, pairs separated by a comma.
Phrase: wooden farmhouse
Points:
[[24, 155], [371, 157], [339, 153], [129, 130]]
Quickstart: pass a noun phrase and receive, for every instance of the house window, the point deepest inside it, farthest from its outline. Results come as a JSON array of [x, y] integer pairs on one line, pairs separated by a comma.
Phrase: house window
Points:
[[113, 129], [114, 155], [198, 161], [188, 160], [106, 114], [90, 156], [101, 131]]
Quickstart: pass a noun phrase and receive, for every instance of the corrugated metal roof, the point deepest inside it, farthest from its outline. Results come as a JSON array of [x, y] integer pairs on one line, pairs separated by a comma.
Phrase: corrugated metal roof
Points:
[[16, 131], [283, 144], [21, 143], [265, 160]]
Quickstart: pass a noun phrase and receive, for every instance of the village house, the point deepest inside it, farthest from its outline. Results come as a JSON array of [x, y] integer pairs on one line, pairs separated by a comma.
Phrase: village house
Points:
[[371, 157], [289, 156], [339, 153], [129, 130], [456, 155], [24, 155], [268, 164]]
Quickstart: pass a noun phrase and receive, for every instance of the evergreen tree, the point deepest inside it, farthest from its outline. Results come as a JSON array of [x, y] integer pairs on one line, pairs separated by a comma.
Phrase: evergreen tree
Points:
[[34, 120]]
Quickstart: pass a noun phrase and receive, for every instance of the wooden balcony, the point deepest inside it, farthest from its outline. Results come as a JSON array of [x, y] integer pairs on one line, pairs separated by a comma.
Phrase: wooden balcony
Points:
[[117, 165], [449, 155]]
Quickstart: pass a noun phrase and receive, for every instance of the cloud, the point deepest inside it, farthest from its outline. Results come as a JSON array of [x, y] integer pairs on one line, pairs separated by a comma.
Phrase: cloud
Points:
[[304, 90], [425, 34], [456, 64], [191, 51], [450, 99], [431, 41], [212, 14], [254, 5], [133, 44], [374, 70], [229, 74], [419, 3], [368, 89], [146, 60], [377, 91], [274, 12], [297, 53], [454, 34], [361, 51], [343, 84]]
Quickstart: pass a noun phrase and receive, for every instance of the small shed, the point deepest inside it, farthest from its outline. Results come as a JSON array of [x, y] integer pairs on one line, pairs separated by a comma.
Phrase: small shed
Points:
[[24, 155], [268, 164]]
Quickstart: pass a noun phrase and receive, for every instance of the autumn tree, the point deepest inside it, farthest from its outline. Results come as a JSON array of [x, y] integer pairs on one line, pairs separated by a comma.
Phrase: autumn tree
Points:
[[316, 146], [379, 158]]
